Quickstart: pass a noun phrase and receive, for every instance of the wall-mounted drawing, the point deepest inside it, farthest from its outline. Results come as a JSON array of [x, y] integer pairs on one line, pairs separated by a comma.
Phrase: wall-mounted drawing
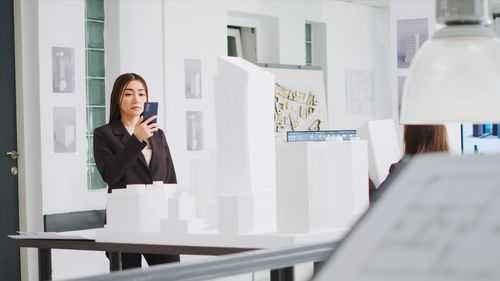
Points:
[[401, 84], [194, 130], [192, 78], [360, 92], [63, 70], [411, 34], [64, 129]]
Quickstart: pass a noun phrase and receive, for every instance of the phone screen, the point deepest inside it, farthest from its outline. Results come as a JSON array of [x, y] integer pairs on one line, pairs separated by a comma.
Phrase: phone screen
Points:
[[150, 109]]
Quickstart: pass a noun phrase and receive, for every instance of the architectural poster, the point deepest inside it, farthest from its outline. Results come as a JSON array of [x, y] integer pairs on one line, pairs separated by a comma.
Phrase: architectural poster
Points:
[[412, 33], [360, 88], [194, 130], [64, 123], [192, 78], [63, 70]]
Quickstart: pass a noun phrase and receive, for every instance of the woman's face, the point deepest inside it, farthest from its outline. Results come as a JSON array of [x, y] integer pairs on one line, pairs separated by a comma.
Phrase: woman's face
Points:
[[133, 99]]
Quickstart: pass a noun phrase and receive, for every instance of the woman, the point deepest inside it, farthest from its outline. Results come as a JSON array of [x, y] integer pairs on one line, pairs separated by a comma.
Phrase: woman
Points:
[[417, 139], [129, 151]]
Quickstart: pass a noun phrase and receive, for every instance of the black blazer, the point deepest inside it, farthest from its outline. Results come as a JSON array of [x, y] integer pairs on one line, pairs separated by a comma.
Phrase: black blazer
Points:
[[394, 170], [119, 159]]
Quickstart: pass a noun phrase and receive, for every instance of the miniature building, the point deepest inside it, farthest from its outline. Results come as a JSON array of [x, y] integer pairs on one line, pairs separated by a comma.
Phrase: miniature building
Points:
[[321, 185], [245, 144]]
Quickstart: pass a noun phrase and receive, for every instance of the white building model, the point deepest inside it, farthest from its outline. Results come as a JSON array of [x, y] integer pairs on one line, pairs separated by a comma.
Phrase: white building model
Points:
[[321, 187], [383, 147], [245, 177], [155, 208], [412, 44], [137, 208]]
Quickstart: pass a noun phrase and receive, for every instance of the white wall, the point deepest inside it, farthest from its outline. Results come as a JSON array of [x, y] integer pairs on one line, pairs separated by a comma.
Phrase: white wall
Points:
[[141, 45], [153, 38], [61, 24], [357, 40]]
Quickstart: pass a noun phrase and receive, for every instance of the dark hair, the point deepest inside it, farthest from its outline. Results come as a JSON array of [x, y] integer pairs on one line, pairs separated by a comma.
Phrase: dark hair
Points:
[[117, 93], [425, 138]]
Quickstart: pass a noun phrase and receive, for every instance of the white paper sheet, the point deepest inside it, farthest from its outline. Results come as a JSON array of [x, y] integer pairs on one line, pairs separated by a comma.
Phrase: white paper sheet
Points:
[[438, 221], [87, 234]]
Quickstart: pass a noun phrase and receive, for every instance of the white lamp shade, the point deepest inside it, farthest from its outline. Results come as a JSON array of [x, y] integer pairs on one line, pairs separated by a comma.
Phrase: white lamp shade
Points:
[[453, 79]]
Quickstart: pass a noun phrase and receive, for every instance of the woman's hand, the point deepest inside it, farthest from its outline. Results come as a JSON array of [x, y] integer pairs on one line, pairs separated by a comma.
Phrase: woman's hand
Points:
[[143, 131]]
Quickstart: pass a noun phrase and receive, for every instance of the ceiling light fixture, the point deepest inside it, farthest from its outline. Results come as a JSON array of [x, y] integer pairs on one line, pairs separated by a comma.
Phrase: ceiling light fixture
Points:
[[455, 76]]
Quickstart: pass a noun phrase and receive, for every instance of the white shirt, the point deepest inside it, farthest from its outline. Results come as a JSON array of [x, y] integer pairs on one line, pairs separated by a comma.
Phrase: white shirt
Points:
[[147, 151]]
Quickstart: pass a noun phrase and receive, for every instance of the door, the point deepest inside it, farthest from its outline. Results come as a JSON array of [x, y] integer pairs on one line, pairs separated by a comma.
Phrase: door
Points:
[[9, 212]]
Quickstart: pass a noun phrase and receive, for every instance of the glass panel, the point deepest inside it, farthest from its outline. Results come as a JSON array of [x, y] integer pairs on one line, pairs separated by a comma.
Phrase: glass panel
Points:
[[89, 177], [91, 149], [308, 54], [95, 178], [95, 92], [95, 63], [308, 32], [95, 35], [95, 9], [97, 118], [89, 122]]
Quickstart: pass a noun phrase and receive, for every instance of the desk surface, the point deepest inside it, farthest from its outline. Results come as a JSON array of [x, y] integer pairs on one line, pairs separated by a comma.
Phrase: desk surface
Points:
[[129, 247], [186, 244], [240, 241]]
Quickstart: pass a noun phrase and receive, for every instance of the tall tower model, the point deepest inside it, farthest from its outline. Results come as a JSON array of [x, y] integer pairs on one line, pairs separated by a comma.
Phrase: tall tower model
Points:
[[246, 175], [412, 44]]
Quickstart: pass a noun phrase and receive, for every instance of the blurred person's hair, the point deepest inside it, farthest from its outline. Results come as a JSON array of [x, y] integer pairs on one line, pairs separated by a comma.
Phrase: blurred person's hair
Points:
[[425, 138]]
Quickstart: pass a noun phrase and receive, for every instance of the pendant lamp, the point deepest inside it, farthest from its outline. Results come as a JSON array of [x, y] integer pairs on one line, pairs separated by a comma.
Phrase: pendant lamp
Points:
[[455, 76]]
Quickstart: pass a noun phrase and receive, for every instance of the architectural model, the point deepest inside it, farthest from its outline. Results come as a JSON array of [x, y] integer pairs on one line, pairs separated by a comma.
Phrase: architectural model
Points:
[[412, 45], [293, 107], [321, 185], [317, 197], [299, 100], [151, 208], [245, 176], [160, 214], [383, 147]]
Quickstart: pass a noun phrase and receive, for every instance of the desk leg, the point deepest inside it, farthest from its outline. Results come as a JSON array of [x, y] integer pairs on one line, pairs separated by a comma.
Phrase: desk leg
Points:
[[115, 261], [44, 264], [282, 274]]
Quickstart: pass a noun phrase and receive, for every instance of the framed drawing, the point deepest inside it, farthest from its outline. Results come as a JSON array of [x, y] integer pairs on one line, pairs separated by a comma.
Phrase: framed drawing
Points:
[[63, 70]]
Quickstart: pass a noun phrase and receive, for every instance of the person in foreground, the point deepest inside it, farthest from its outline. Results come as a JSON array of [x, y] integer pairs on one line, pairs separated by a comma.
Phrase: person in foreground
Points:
[[417, 139], [129, 151]]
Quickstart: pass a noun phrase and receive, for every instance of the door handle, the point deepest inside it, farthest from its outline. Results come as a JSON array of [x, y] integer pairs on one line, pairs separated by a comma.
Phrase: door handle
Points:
[[13, 154]]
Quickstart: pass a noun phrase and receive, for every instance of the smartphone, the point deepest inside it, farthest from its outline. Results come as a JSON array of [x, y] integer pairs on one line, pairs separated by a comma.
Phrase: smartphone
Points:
[[150, 109]]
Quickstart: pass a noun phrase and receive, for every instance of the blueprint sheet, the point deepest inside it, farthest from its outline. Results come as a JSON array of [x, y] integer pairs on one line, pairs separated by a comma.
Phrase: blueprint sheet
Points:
[[439, 220]]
